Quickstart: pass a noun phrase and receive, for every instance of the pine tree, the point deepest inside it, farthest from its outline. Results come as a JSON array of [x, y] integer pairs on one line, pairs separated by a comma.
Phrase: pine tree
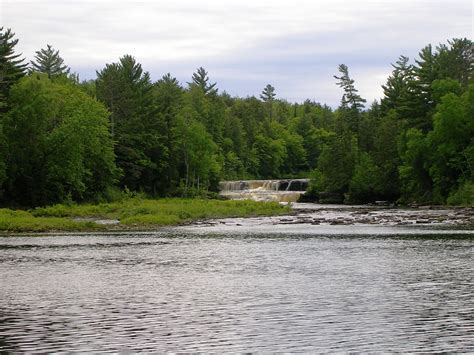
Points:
[[12, 67], [397, 87], [49, 62], [201, 79], [268, 96], [456, 60], [126, 90], [167, 97], [351, 102], [268, 93], [350, 99]]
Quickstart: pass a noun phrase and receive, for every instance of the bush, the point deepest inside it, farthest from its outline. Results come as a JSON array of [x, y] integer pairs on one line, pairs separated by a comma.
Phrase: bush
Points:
[[463, 196], [364, 181]]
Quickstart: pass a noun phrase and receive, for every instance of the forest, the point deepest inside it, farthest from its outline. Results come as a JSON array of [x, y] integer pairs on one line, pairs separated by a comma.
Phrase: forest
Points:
[[63, 139]]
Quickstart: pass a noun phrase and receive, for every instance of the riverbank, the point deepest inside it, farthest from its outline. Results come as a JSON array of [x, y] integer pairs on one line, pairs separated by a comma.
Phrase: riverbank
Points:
[[138, 214], [131, 214], [328, 219]]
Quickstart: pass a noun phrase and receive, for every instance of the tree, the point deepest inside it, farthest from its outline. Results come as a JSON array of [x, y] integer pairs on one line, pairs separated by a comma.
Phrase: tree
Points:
[[398, 90], [12, 67], [168, 97], [336, 163], [350, 98], [270, 154], [294, 159], [456, 60], [386, 157], [364, 184], [451, 143], [3, 158], [201, 79], [48, 61], [351, 102], [127, 92], [110, 89], [197, 149], [416, 183], [59, 144], [268, 96], [268, 93]]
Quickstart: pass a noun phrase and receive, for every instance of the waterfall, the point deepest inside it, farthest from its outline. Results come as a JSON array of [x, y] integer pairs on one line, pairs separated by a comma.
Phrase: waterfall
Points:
[[288, 190]]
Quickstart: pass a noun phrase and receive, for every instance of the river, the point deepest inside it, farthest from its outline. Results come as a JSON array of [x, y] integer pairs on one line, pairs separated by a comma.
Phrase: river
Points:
[[231, 287]]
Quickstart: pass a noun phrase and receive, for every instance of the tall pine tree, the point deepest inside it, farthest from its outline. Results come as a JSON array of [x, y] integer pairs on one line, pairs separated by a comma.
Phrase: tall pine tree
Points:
[[201, 79], [48, 61], [12, 67]]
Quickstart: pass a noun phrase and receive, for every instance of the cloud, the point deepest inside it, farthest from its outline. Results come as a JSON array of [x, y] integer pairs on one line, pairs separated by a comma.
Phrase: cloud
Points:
[[244, 44]]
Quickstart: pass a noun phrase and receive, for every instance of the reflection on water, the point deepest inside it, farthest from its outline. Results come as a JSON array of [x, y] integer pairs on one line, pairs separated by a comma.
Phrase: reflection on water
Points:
[[173, 292]]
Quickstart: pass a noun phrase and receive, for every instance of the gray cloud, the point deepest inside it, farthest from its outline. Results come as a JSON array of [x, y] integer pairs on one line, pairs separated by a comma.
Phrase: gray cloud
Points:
[[243, 44]]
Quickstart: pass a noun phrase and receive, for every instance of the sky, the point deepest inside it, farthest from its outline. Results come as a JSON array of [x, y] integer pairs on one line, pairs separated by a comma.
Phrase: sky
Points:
[[296, 46]]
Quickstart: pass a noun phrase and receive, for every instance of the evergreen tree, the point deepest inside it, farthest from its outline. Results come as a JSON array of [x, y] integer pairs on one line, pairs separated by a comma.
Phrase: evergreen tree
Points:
[[426, 71], [350, 99], [12, 67], [268, 93], [398, 89], [336, 163], [198, 152], [268, 96], [201, 79], [167, 96], [351, 103], [456, 61], [48, 61], [127, 92]]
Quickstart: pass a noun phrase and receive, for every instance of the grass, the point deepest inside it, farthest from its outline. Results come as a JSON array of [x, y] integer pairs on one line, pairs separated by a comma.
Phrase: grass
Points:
[[133, 213], [24, 221]]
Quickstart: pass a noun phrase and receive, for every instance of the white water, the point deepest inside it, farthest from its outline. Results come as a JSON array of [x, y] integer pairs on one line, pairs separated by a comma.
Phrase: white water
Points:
[[264, 190]]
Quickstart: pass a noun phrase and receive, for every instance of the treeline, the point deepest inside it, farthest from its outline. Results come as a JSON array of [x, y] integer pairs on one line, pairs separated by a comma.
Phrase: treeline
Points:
[[66, 140]]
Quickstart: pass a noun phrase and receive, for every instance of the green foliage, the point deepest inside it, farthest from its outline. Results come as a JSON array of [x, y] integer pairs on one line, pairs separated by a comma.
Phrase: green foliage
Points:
[[12, 67], [268, 93], [135, 213], [197, 149], [3, 159], [385, 156], [59, 146], [350, 99], [57, 143], [398, 87], [463, 196], [233, 167], [415, 180], [270, 154], [442, 87], [136, 125], [167, 98], [451, 143], [336, 163], [48, 61], [201, 80], [365, 183]]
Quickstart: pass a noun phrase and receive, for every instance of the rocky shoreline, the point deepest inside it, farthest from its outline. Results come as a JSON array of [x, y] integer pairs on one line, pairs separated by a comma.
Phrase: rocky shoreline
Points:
[[369, 215], [314, 214]]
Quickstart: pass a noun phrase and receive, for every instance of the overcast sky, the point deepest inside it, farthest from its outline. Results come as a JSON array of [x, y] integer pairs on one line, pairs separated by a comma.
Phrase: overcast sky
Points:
[[294, 45]]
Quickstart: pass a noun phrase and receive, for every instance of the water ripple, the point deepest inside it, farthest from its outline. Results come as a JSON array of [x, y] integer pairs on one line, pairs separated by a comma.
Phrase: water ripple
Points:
[[233, 294]]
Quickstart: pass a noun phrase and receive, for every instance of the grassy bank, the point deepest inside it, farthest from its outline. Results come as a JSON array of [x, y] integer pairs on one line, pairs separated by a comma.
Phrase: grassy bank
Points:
[[134, 213]]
